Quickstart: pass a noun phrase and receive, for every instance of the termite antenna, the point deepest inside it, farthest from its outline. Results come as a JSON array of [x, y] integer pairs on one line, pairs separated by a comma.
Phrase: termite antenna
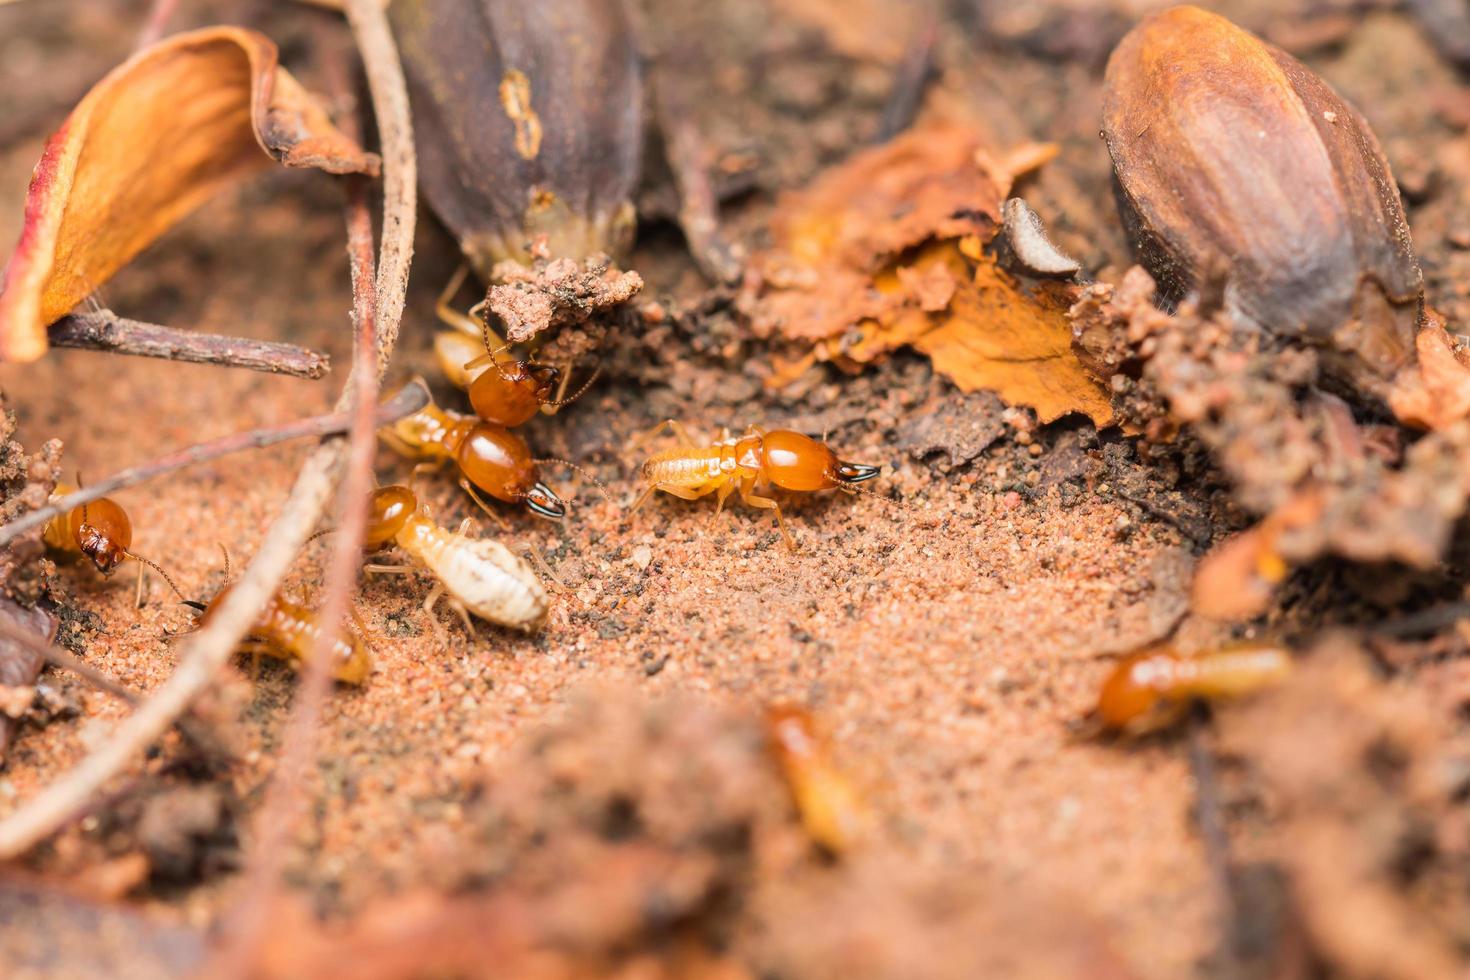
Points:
[[157, 568], [602, 489], [488, 359], [559, 402], [906, 505], [321, 534], [226, 552]]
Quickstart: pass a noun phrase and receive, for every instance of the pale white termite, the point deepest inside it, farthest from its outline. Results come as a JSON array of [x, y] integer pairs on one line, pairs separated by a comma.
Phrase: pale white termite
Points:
[[480, 576]]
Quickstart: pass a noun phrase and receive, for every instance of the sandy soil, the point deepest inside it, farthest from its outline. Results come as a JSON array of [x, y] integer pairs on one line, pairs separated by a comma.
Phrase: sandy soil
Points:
[[946, 639]]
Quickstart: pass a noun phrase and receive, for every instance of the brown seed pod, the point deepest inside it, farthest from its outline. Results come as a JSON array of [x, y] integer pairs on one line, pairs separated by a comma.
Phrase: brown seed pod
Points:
[[1234, 161], [529, 121]]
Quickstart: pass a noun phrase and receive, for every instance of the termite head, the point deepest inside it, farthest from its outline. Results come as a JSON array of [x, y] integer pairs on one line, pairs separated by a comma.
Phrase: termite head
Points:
[[512, 393], [1133, 692], [499, 462], [797, 462], [103, 533], [389, 509]]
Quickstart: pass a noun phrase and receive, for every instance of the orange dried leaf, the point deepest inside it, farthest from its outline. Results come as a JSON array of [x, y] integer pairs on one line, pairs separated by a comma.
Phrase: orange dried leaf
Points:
[[146, 146], [888, 250], [1434, 392]]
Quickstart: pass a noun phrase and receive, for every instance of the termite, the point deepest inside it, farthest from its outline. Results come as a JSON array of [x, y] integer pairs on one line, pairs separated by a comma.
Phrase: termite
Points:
[[99, 531], [285, 630], [480, 576], [781, 458], [1153, 688], [502, 388], [829, 807], [489, 457]]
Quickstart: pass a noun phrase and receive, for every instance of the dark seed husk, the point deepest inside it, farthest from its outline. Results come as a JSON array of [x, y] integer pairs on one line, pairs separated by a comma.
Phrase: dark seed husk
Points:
[[528, 115], [1234, 160]]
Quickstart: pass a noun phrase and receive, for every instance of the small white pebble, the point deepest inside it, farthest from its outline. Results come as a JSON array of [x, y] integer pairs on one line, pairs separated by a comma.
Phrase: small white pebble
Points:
[[642, 556], [1330, 116]]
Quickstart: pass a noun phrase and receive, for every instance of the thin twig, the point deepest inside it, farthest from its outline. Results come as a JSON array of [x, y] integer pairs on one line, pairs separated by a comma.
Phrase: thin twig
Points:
[[202, 658], [1210, 818], [412, 398], [281, 811], [157, 23], [60, 658], [106, 331], [910, 81]]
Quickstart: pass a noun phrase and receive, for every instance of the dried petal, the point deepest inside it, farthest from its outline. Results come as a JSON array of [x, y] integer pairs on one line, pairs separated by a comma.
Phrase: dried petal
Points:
[[147, 145]]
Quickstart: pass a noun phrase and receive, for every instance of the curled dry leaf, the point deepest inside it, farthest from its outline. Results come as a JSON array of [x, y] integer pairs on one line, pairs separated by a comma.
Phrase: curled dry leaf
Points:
[[19, 664], [1436, 392], [147, 145], [889, 250]]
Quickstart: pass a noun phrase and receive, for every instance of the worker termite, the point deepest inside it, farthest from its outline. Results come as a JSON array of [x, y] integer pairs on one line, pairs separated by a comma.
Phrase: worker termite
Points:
[[101, 532], [285, 630], [489, 457], [829, 807], [781, 458], [480, 576], [1153, 688]]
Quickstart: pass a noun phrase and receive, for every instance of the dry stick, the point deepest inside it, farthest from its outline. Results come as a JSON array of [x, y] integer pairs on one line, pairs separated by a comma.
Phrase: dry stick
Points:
[[688, 155], [157, 23], [281, 811], [106, 331], [412, 398], [1209, 814], [202, 658], [910, 81]]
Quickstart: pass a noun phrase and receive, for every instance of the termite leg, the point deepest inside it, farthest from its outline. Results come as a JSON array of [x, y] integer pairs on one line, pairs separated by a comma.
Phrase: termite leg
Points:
[[360, 625], [673, 425], [747, 494], [444, 308], [720, 498], [138, 594], [469, 488], [419, 469], [376, 569]]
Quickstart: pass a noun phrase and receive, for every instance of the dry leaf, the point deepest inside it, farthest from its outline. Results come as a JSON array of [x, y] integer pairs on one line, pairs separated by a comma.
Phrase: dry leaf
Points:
[[147, 145], [866, 29], [888, 250], [1434, 392], [19, 664]]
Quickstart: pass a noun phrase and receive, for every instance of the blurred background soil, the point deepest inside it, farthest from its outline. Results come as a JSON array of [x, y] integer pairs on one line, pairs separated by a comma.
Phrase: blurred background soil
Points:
[[946, 639]]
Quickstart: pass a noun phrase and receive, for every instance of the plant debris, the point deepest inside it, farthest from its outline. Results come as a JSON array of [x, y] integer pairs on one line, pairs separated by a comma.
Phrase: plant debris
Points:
[[889, 250], [146, 146]]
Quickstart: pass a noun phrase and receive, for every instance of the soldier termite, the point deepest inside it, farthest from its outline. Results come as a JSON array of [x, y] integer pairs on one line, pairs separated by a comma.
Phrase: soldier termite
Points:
[[480, 576], [1153, 688], [489, 457], [101, 532], [781, 458]]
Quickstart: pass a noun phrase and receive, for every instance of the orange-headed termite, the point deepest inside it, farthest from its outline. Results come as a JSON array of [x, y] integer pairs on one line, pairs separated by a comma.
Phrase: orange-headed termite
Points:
[[781, 458], [830, 809], [101, 532], [284, 630], [1153, 688], [489, 457]]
